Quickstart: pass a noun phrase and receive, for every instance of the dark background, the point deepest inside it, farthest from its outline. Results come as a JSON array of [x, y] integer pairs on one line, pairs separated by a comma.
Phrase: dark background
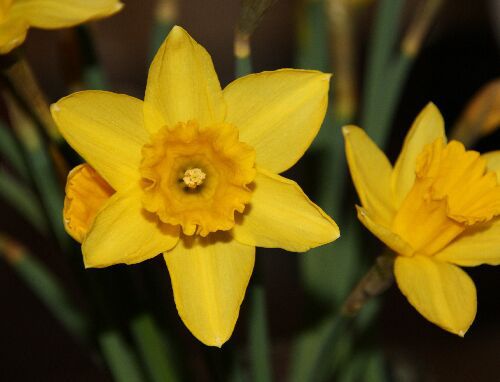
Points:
[[460, 55]]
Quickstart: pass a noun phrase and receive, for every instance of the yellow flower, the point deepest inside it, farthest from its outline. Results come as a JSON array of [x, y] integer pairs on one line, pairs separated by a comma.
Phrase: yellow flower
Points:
[[436, 209], [195, 172], [16, 16]]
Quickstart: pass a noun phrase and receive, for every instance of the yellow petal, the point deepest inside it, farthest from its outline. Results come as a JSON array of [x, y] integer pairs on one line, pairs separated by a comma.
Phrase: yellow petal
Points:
[[493, 162], [371, 174], [209, 278], [12, 33], [442, 293], [428, 126], [389, 238], [280, 215], [477, 245], [107, 130], [124, 233], [51, 14], [182, 85], [278, 113]]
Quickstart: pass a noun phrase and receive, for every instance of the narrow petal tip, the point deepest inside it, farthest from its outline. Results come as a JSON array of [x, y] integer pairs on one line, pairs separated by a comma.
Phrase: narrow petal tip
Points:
[[346, 130], [361, 211], [178, 32], [432, 111], [87, 263], [54, 108], [326, 76], [218, 342], [431, 105], [118, 6]]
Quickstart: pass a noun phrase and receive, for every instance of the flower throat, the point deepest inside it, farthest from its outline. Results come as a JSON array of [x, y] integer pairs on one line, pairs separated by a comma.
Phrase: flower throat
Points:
[[197, 176]]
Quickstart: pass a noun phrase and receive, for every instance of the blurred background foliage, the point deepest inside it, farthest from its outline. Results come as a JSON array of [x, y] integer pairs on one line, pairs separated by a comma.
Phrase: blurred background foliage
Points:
[[388, 57]]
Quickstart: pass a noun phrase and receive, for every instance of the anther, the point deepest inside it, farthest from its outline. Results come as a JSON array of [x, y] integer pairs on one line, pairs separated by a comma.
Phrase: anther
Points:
[[193, 177]]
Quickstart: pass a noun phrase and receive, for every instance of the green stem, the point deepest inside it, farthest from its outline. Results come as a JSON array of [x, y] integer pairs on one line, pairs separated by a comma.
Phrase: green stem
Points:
[[120, 359], [386, 76], [312, 47], [397, 74], [25, 86], [374, 282], [259, 342], [251, 14], [11, 151], [50, 192], [22, 200], [380, 51], [151, 346], [333, 332], [331, 145], [42, 169], [165, 16], [46, 287], [242, 52], [119, 356], [343, 51], [243, 66]]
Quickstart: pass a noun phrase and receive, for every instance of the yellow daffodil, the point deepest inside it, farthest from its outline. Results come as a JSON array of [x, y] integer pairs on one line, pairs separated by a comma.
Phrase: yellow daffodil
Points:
[[435, 209], [191, 172], [17, 16]]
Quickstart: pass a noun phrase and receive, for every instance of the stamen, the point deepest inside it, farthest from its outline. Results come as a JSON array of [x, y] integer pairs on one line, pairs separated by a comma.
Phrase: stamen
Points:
[[194, 177]]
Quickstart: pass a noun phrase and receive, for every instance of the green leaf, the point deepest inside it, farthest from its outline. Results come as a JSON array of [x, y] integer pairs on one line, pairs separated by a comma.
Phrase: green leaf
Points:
[[152, 348]]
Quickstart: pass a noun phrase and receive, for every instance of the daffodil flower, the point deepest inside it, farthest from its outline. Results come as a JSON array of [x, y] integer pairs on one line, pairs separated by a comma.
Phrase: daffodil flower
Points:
[[192, 172], [17, 16], [436, 209]]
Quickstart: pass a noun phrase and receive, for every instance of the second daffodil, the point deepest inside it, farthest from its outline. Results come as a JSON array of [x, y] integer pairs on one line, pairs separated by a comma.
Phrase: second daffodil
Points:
[[191, 172], [436, 209], [17, 16]]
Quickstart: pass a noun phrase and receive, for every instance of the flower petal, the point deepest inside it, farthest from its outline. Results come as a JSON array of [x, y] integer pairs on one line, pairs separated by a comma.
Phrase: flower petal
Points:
[[476, 246], [182, 85], [123, 232], [441, 292], [493, 162], [280, 215], [389, 238], [209, 278], [371, 173], [427, 127], [12, 33], [51, 14], [107, 130], [278, 113]]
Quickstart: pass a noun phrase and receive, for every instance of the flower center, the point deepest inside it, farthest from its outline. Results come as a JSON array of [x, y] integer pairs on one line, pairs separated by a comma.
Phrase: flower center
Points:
[[197, 176], [452, 191], [194, 177]]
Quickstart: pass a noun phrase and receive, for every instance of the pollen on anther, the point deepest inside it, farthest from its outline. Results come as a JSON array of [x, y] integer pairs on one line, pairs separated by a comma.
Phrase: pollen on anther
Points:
[[193, 177]]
